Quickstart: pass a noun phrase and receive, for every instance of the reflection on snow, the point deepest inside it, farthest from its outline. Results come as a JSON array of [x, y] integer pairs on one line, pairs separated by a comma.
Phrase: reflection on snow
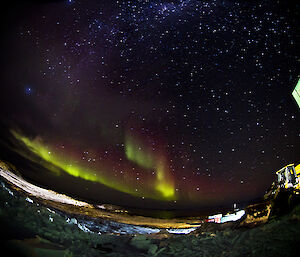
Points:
[[38, 191], [181, 231]]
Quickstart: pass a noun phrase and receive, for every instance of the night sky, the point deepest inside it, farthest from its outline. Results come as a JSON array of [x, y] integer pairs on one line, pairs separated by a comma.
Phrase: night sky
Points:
[[174, 104]]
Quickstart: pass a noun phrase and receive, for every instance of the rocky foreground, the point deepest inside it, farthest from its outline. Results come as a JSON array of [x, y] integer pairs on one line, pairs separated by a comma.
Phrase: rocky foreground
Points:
[[30, 229]]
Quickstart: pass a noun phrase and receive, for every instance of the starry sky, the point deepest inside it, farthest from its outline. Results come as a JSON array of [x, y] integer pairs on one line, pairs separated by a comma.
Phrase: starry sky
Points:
[[169, 104]]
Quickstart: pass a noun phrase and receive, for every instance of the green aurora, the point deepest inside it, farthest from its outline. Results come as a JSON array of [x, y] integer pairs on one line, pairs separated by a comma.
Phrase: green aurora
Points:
[[161, 189], [145, 158]]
